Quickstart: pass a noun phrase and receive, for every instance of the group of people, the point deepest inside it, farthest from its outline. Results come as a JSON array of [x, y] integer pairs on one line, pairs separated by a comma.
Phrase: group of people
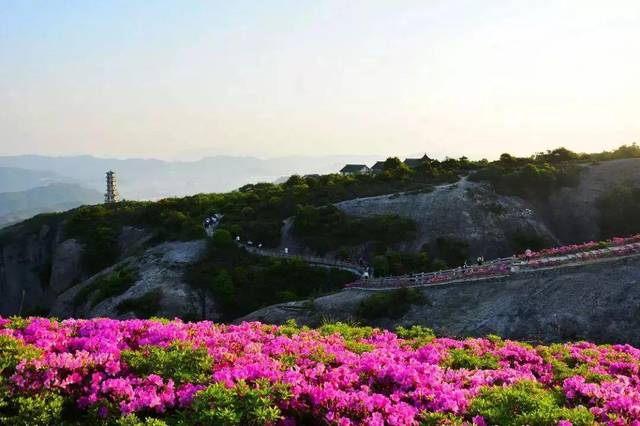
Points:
[[248, 243], [211, 221]]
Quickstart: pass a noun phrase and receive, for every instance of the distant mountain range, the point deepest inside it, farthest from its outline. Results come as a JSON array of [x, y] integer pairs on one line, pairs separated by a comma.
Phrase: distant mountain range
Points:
[[32, 184], [17, 206], [153, 179], [14, 179]]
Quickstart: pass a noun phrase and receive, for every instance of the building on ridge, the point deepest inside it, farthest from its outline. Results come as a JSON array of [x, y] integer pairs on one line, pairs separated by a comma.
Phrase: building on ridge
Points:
[[378, 167], [416, 162], [355, 169]]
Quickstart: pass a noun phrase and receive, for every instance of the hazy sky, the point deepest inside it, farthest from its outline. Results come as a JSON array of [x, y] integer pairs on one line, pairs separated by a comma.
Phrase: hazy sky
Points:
[[177, 79]]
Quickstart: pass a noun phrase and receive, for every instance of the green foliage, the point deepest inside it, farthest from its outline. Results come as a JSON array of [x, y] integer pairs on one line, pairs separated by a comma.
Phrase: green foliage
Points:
[[619, 212], [97, 228], [441, 419], [241, 282], [418, 336], [389, 304], [521, 241], [452, 251], [358, 347], [178, 361], [291, 328], [532, 178], [41, 409], [239, 405], [564, 365], [225, 291], [328, 228], [351, 332], [144, 306], [526, 403], [400, 263], [107, 286], [222, 239], [465, 358], [12, 351], [133, 420]]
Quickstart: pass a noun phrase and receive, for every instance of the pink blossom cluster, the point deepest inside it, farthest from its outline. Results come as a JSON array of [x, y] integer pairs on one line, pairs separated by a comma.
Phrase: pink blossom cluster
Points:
[[389, 380], [582, 247], [592, 250]]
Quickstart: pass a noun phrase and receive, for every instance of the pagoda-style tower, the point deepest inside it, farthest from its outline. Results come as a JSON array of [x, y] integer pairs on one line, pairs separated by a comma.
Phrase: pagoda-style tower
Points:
[[111, 196]]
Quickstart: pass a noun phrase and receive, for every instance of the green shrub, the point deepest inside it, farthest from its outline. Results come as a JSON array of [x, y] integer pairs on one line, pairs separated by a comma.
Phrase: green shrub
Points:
[[241, 282], [526, 403], [465, 358], [12, 351], [564, 365], [441, 419], [418, 336], [347, 331], [144, 306], [178, 361], [239, 405], [389, 304], [521, 241], [41, 409], [133, 420], [452, 251], [328, 228], [619, 212], [107, 286]]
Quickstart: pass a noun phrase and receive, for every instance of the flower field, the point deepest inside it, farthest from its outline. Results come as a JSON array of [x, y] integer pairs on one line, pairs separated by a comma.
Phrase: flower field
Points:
[[157, 372]]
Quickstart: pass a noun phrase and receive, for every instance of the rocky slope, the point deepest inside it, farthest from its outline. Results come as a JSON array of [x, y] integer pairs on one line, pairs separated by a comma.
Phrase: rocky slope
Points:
[[41, 271], [35, 266], [571, 213], [465, 210], [598, 302], [159, 269]]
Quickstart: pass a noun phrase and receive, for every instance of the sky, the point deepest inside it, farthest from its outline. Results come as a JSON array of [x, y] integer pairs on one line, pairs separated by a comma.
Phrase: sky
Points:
[[185, 79]]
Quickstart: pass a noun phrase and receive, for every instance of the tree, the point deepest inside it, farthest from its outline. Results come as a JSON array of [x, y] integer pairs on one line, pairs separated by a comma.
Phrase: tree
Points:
[[222, 239], [223, 287], [380, 266]]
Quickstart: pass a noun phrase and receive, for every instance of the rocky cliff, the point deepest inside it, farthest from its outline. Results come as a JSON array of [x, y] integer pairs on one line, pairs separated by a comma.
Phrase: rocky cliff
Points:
[[159, 271], [41, 272], [35, 266], [598, 301], [465, 210]]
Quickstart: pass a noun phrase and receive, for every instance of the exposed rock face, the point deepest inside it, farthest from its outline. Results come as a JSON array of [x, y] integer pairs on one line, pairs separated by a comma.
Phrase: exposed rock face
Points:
[[159, 269], [572, 213], [597, 302], [465, 210], [36, 266], [66, 266]]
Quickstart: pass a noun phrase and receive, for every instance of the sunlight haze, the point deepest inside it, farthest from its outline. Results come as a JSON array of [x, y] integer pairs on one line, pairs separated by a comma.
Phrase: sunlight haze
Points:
[[182, 80]]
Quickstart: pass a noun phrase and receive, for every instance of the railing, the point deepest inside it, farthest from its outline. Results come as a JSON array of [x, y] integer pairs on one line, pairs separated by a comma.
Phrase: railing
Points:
[[340, 264], [495, 268]]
